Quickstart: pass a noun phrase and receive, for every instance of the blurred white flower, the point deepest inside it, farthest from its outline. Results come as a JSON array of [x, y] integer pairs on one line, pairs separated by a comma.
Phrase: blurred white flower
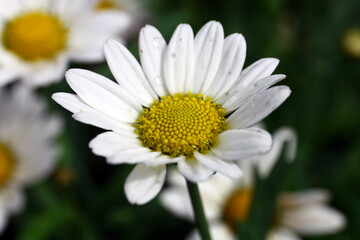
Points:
[[227, 201], [39, 37], [135, 8], [174, 108], [27, 148]]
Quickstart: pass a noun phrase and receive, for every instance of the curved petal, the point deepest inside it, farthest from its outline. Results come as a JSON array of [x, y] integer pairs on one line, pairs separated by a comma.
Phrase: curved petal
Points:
[[152, 53], [258, 107], [144, 183], [241, 144], [314, 219], [178, 202], [211, 161], [194, 171], [259, 69], [180, 60], [235, 97], [267, 161], [232, 61], [208, 49], [127, 72]]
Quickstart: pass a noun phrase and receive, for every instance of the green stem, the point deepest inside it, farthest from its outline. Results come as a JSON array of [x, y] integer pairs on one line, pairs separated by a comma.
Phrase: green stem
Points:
[[199, 214]]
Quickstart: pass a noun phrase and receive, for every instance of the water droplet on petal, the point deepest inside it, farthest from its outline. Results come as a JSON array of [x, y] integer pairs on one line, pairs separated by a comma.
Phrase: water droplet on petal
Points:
[[156, 42], [158, 80]]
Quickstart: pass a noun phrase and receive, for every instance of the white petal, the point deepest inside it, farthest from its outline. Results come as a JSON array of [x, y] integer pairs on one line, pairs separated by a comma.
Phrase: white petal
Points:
[[227, 168], [3, 219], [281, 233], [305, 197], [109, 85], [134, 154], [259, 69], [86, 42], [208, 48], [152, 53], [47, 73], [314, 219], [6, 77], [258, 107], [180, 60], [86, 114], [194, 171], [144, 183], [232, 61], [100, 97], [109, 143], [127, 72], [178, 202], [236, 96], [266, 162], [242, 143]]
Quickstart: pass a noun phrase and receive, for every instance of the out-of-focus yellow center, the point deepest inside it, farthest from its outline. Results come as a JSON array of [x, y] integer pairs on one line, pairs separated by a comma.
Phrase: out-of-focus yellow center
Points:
[[7, 165], [181, 125], [106, 5], [35, 36], [237, 207], [351, 42]]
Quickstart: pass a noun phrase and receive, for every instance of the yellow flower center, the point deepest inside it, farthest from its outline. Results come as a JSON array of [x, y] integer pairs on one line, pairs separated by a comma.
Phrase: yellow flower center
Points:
[[237, 207], [7, 165], [181, 125], [35, 36], [106, 5]]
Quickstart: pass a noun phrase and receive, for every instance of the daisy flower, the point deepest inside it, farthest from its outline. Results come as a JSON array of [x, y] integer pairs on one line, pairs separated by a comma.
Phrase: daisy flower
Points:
[[39, 37], [188, 103], [27, 149], [227, 201]]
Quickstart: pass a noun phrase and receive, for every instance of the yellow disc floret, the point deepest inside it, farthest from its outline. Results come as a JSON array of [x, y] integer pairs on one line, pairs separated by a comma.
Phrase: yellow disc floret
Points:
[[181, 125], [7, 165], [237, 207], [35, 36]]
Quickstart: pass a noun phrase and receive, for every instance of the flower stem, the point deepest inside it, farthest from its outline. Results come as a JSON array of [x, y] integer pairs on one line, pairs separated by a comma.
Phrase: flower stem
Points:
[[199, 214]]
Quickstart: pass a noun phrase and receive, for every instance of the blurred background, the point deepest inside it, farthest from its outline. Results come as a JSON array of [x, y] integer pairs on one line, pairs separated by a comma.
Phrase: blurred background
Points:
[[318, 47]]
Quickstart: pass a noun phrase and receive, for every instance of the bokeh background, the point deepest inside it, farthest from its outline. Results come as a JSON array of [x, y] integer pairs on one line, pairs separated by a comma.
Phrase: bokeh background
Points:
[[84, 198]]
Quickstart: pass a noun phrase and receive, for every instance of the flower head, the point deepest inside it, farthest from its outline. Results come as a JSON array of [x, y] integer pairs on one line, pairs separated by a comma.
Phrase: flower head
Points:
[[189, 103], [38, 38], [27, 149], [228, 201]]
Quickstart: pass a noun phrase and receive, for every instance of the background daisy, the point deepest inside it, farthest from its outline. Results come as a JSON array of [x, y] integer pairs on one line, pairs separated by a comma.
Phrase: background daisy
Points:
[[39, 38], [227, 201], [27, 148]]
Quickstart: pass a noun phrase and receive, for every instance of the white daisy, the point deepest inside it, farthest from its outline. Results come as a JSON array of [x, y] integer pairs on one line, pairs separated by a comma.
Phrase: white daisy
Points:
[[227, 201], [191, 129], [39, 37], [27, 149]]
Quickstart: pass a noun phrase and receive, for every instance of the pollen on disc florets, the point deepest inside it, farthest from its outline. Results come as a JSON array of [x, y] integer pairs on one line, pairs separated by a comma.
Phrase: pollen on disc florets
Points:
[[181, 125], [34, 36]]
